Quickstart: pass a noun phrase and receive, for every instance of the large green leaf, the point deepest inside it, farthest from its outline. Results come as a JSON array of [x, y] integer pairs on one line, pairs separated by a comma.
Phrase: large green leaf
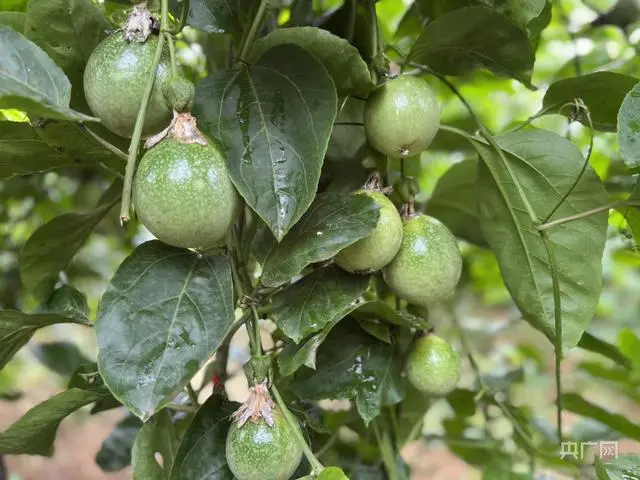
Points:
[[629, 127], [157, 436], [115, 451], [68, 30], [52, 246], [201, 455], [31, 81], [624, 467], [454, 202], [212, 16], [16, 328], [164, 314], [353, 365], [546, 166], [576, 404], [602, 93], [341, 59], [35, 432], [468, 38], [596, 345], [274, 118], [333, 222], [323, 297]]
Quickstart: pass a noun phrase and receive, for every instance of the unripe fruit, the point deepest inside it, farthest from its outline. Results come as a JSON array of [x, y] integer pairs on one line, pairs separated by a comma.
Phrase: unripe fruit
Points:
[[380, 246], [402, 117], [257, 451], [433, 366], [428, 265], [114, 82], [183, 194]]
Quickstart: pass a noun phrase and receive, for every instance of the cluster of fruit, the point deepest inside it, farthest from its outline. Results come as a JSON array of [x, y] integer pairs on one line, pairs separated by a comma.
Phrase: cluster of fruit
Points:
[[183, 194]]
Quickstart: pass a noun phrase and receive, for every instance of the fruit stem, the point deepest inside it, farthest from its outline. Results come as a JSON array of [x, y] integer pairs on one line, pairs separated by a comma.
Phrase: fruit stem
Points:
[[316, 466], [253, 31], [103, 143], [137, 130], [172, 54]]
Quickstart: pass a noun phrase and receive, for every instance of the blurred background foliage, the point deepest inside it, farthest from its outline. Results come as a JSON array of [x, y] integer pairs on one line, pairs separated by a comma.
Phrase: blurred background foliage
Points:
[[580, 38]]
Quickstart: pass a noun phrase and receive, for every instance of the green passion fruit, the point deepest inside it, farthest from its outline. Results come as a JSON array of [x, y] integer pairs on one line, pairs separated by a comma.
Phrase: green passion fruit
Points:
[[258, 451], [378, 248], [114, 82], [428, 265], [183, 194], [402, 117], [433, 366]]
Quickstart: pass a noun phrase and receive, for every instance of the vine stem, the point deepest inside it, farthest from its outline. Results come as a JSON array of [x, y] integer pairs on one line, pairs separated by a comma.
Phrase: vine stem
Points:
[[104, 143], [139, 125], [253, 31], [316, 466], [172, 54], [578, 216], [386, 449], [557, 305]]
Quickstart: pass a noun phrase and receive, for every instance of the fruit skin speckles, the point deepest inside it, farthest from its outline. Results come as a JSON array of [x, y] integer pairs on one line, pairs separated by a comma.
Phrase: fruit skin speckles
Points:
[[433, 366], [380, 246], [114, 81], [257, 451], [402, 117], [428, 265], [184, 196]]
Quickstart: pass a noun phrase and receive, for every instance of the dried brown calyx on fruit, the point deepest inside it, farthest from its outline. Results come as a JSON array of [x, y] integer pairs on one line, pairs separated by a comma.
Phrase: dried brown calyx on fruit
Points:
[[259, 406]]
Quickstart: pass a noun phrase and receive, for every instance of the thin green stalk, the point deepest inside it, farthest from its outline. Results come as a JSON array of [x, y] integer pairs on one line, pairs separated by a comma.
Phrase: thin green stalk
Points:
[[351, 23], [181, 408], [373, 27], [584, 166], [253, 31], [172, 54], [137, 130], [193, 396], [316, 466], [104, 143], [557, 314], [578, 216], [386, 450]]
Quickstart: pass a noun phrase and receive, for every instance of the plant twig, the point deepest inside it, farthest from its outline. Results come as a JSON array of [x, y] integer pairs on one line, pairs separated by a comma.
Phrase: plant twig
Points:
[[578, 216], [104, 143], [139, 125], [253, 31], [172, 54], [193, 396], [316, 466]]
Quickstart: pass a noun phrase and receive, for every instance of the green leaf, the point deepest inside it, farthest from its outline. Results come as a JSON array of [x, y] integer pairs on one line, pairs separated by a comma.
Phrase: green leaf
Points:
[[212, 16], [275, 119], [61, 357], [22, 152], [13, 5], [341, 59], [293, 356], [332, 473], [115, 451], [602, 93], [629, 127], [31, 81], [201, 455], [576, 404], [68, 31], [546, 166], [16, 328], [332, 223], [624, 467], [353, 365], [35, 432], [596, 345], [163, 316], [465, 39], [323, 297], [14, 20], [155, 436], [454, 202], [69, 302], [51, 247], [377, 329]]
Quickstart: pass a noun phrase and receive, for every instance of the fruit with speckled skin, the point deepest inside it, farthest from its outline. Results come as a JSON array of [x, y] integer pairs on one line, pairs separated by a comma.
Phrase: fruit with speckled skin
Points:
[[257, 451], [428, 265], [183, 194], [179, 93], [433, 366], [380, 246], [402, 117], [114, 82]]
